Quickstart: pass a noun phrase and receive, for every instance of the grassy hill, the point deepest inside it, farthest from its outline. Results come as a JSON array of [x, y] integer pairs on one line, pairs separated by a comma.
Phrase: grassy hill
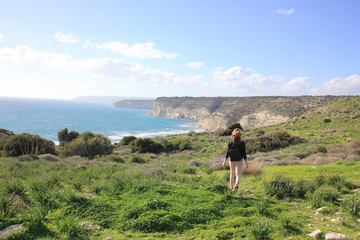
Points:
[[184, 194]]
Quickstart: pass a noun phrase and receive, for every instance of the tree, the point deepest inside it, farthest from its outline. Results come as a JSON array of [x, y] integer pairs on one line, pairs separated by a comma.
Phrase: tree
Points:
[[88, 145], [27, 144], [64, 136]]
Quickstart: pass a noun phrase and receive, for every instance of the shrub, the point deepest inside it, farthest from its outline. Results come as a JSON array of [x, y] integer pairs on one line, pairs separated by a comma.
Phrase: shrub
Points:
[[230, 128], [336, 181], [146, 145], [261, 230], [255, 167], [271, 141], [195, 163], [320, 179], [280, 187], [4, 134], [64, 136], [88, 145], [126, 140], [327, 120], [181, 144], [157, 221], [322, 195], [27, 144], [136, 159], [25, 158], [113, 158], [69, 226], [49, 157], [352, 204]]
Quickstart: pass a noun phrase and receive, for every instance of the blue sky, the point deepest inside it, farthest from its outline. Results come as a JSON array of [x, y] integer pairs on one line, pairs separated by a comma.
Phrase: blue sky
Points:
[[63, 49]]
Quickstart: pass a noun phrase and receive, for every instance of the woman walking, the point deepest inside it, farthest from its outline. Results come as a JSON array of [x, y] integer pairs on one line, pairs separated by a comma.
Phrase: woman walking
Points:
[[236, 151]]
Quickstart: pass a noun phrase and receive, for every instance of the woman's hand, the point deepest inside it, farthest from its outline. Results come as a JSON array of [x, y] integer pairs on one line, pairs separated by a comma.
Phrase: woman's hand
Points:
[[247, 165], [224, 163]]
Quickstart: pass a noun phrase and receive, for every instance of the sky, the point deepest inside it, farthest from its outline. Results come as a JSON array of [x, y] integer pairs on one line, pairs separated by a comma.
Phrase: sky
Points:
[[142, 48]]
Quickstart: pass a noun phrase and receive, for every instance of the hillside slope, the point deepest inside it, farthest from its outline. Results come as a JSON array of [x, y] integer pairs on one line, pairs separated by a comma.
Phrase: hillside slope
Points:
[[213, 113]]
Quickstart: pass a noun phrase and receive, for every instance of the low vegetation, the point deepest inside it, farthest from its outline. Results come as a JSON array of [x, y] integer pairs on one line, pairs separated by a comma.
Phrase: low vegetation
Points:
[[303, 176]]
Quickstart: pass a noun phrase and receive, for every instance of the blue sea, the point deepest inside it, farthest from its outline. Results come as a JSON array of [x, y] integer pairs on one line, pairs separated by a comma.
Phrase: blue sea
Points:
[[47, 117]]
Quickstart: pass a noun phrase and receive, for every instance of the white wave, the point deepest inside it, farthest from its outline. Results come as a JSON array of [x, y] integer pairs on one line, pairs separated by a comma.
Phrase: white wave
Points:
[[117, 137]]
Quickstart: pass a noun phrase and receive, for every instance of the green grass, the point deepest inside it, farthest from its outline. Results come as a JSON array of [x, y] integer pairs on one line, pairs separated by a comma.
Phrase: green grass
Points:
[[184, 194]]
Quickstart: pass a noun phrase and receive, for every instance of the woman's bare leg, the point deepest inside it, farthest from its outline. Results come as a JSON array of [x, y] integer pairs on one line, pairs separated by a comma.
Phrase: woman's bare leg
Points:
[[232, 173], [238, 170]]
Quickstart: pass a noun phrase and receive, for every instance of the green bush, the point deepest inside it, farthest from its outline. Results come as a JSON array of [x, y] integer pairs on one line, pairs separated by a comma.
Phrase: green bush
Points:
[[27, 144], [4, 134], [64, 136], [156, 221], [126, 140], [322, 195], [280, 187], [352, 204], [69, 226], [271, 141], [136, 159], [146, 145], [113, 158], [87, 145], [181, 144], [261, 230], [230, 129], [336, 181]]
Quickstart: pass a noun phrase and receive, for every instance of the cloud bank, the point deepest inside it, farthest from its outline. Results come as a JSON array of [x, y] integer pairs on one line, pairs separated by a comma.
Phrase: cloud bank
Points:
[[340, 86], [66, 38], [100, 67], [137, 50]]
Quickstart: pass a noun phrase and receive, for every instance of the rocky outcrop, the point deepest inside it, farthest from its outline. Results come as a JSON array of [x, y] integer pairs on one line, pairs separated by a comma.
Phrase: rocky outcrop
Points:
[[213, 113]]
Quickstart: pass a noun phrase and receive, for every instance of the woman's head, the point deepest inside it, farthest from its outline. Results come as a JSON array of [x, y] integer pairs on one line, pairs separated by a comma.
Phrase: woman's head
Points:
[[235, 135]]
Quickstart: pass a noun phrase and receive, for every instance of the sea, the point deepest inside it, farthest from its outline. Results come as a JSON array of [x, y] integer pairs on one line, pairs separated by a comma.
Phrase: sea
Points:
[[47, 117]]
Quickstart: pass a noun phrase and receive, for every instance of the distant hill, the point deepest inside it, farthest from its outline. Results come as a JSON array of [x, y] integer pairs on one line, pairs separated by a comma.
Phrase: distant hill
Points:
[[106, 99], [213, 113], [135, 103]]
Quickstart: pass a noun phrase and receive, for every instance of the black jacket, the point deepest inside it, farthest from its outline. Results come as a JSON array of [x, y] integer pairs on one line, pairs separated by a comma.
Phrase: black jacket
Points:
[[240, 146]]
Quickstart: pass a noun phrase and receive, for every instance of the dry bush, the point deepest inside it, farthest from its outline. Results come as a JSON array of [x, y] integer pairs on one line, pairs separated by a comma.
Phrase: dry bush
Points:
[[49, 157], [75, 159], [215, 163], [318, 159], [287, 162], [157, 172], [24, 158], [194, 163], [150, 155], [255, 167]]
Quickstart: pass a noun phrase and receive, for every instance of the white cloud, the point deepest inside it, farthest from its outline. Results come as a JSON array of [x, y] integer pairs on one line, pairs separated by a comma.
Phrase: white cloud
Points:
[[66, 38], [99, 67], [137, 50], [340, 86], [299, 84], [285, 12], [2, 38], [238, 78], [194, 64]]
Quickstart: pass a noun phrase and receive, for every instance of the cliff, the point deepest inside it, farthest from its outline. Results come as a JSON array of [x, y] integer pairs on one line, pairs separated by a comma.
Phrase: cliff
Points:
[[213, 113], [135, 103]]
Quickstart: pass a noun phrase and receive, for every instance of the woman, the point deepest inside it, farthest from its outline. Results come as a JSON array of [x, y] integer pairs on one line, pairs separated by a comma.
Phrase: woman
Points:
[[237, 152]]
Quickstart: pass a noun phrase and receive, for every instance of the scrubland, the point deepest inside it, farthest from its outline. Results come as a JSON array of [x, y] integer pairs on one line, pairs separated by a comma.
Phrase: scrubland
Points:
[[304, 175]]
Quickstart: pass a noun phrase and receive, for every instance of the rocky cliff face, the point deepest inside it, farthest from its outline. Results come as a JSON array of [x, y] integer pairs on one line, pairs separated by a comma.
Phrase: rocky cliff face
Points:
[[213, 113]]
